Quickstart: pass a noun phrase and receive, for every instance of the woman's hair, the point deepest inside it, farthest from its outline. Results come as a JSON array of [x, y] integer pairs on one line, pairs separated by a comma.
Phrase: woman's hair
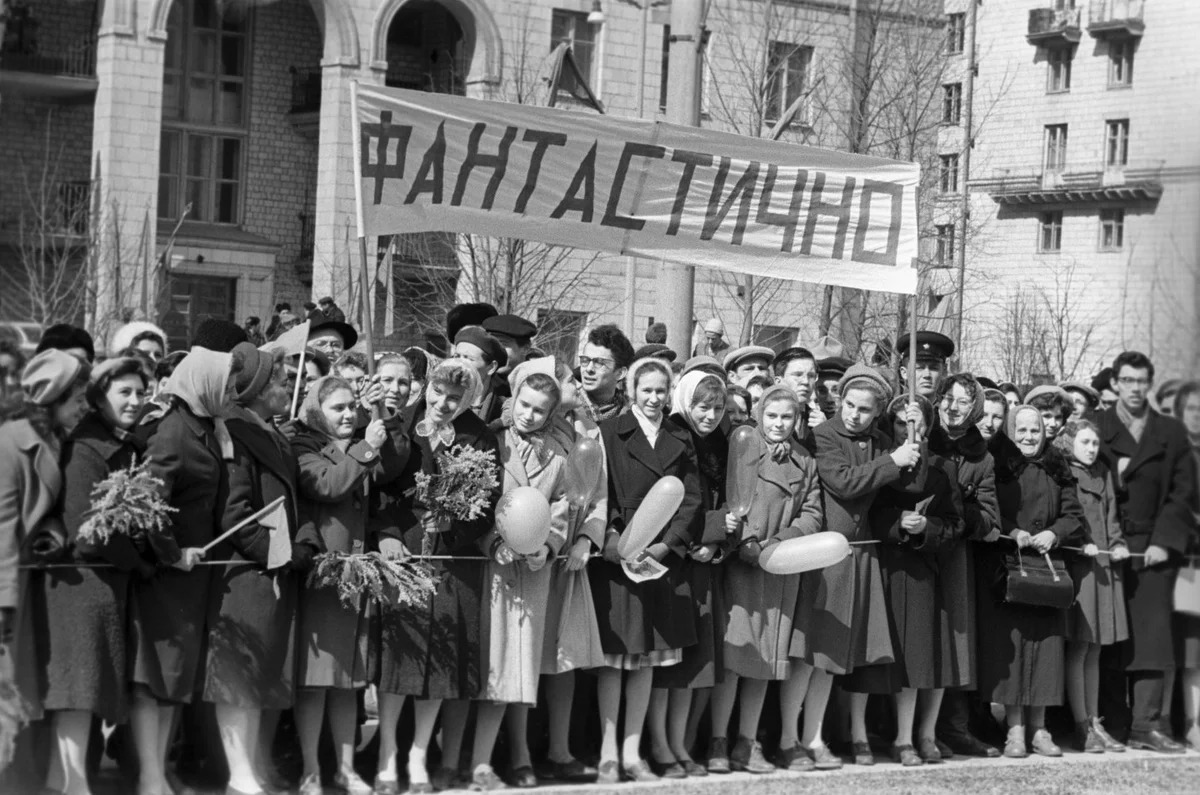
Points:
[[1065, 441], [736, 390], [393, 358], [316, 417], [965, 380], [711, 392], [779, 396], [1054, 401], [97, 389], [167, 364], [149, 335], [1186, 390], [418, 363], [42, 417], [996, 396], [540, 382], [649, 364], [351, 359], [450, 376]]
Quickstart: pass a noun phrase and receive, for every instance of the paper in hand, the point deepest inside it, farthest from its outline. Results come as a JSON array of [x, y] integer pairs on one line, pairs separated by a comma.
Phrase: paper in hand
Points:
[[643, 568]]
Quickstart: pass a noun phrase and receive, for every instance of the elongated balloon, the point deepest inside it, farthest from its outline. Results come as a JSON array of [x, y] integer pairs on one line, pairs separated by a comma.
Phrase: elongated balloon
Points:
[[657, 508], [807, 553], [741, 476], [523, 519], [583, 472]]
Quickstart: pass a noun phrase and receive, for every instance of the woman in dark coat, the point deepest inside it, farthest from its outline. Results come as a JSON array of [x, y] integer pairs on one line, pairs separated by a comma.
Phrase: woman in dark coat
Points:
[[1021, 662], [187, 452], [338, 653], [647, 624], [921, 530], [434, 652], [1187, 411], [251, 663], [698, 404]]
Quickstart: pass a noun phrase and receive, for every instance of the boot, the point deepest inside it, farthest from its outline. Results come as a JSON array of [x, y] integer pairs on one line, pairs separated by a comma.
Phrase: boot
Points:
[[1086, 738]]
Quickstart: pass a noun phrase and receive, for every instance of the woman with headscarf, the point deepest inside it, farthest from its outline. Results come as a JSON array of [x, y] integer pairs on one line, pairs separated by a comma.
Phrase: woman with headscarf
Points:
[[188, 453], [956, 438], [1187, 628], [643, 625], [250, 669], [760, 606], [920, 528], [698, 405], [32, 436], [1021, 656], [433, 651], [338, 657], [87, 607]]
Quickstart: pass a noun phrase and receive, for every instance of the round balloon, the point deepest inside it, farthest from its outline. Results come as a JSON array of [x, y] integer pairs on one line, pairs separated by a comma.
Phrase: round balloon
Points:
[[657, 509], [584, 465], [807, 553], [523, 519], [741, 477]]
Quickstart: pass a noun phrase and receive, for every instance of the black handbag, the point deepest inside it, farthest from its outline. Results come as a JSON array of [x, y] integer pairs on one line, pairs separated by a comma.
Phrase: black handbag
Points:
[[1034, 581]]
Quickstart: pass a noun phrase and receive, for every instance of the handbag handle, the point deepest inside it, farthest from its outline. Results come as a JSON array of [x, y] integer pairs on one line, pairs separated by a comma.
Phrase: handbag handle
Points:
[[1050, 563], [1021, 564]]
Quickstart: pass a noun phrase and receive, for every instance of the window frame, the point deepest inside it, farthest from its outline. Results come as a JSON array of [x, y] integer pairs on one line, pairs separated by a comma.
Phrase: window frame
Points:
[[1112, 226], [665, 66], [1120, 63], [1058, 69], [1054, 150], [952, 98], [589, 69], [948, 174], [779, 84], [177, 183], [1116, 134], [944, 242], [956, 33], [1050, 222]]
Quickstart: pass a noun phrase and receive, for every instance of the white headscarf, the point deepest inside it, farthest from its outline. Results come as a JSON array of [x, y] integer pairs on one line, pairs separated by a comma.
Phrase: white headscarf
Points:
[[200, 381], [444, 433], [685, 392]]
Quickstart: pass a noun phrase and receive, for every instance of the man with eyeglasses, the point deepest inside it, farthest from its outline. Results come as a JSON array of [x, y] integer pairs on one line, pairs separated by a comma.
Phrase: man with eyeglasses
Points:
[[933, 349], [332, 337], [606, 357], [1149, 457]]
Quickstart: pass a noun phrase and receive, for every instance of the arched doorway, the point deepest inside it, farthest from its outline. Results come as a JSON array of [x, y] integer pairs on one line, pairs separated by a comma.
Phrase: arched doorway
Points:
[[427, 50]]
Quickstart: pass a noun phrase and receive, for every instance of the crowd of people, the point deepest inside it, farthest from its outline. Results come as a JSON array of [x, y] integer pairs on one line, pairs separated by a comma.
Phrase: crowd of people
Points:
[[951, 497]]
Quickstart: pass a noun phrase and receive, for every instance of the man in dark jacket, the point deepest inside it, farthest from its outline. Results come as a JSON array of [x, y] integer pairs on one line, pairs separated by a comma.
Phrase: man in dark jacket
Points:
[[1149, 457]]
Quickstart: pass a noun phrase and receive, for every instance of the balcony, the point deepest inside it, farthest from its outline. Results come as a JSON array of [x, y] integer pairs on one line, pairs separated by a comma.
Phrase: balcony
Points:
[[66, 76], [1132, 184], [305, 113], [1116, 19], [1053, 27]]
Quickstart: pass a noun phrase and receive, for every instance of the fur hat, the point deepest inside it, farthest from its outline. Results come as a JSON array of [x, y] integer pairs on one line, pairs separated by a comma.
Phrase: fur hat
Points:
[[217, 335], [123, 337]]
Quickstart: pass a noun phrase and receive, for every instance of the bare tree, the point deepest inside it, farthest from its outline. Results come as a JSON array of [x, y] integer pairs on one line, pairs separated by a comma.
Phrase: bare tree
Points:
[[1070, 326], [1021, 342]]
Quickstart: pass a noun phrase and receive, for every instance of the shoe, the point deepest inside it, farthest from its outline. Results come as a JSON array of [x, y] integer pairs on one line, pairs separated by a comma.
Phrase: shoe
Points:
[[638, 772], [385, 786], [523, 778], [907, 756], [443, 779], [946, 751], [1043, 744], [670, 769], [795, 759], [609, 772], [970, 745], [1193, 737], [1014, 746], [1154, 741], [718, 756], [747, 756], [824, 759], [352, 783], [484, 779], [694, 769], [928, 750], [1110, 745], [863, 755], [573, 771], [1087, 739], [311, 785]]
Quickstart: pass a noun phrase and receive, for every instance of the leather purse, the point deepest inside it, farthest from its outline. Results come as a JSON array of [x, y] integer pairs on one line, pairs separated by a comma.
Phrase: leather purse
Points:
[[1034, 581]]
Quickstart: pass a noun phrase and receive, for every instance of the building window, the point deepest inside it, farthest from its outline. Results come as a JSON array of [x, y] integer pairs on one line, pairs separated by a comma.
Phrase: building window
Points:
[[944, 255], [956, 28], [1112, 230], [1116, 143], [1120, 63], [1056, 147], [951, 103], [572, 27], [948, 179], [787, 79], [559, 331], [204, 114], [1050, 232], [1058, 74], [666, 67]]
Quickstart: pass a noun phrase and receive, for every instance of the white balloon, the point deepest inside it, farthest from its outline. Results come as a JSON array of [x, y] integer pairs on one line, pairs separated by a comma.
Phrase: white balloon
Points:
[[656, 511], [807, 553]]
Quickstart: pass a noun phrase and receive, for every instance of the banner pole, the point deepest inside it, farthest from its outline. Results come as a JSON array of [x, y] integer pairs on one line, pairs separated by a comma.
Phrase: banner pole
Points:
[[912, 360], [368, 294], [299, 380]]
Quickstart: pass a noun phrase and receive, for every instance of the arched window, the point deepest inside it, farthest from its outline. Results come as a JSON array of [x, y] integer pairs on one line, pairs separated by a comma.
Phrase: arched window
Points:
[[202, 155]]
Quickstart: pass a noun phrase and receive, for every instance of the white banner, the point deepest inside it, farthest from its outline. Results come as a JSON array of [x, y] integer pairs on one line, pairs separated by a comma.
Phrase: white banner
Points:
[[435, 162]]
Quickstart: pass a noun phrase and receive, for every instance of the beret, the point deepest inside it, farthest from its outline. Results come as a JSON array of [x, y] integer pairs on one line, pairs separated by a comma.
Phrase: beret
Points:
[[715, 326], [706, 363], [515, 328], [1093, 397], [862, 372], [491, 347], [738, 355], [49, 375], [1047, 389], [827, 348], [656, 350]]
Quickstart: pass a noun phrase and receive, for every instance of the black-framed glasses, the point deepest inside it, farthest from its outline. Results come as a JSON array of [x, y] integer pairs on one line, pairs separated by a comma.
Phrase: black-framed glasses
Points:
[[598, 361]]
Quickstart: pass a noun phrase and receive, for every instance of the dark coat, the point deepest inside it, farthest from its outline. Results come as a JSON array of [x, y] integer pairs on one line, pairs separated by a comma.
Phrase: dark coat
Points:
[[252, 612], [87, 609], [1022, 647], [657, 615], [1156, 494], [436, 650], [1098, 615], [170, 609]]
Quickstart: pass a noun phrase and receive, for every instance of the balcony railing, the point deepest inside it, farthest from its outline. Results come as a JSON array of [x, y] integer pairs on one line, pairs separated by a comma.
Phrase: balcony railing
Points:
[[1116, 18], [1051, 26], [77, 60], [306, 89], [1138, 182], [73, 208]]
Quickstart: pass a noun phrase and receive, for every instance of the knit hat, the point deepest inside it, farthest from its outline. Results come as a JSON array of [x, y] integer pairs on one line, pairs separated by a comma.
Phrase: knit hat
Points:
[[862, 372], [217, 335], [49, 375], [123, 337], [62, 336], [491, 347], [256, 371], [714, 326]]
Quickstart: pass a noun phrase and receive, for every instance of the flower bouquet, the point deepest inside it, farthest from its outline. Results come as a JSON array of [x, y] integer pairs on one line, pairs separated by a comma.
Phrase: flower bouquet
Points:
[[14, 709], [461, 488], [382, 579], [127, 502]]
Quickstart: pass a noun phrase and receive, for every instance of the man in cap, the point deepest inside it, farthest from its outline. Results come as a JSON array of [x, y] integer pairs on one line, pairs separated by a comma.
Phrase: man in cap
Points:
[[745, 362], [933, 349], [796, 368], [516, 335], [332, 337], [714, 343], [1085, 399], [331, 310], [654, 351], [829, 372], [1104, 387], [484, 352]]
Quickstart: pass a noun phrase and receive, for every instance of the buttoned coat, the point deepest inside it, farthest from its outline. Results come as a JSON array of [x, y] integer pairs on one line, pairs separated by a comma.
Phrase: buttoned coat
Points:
[[657, 615], [1098, 615], [1156, 495]]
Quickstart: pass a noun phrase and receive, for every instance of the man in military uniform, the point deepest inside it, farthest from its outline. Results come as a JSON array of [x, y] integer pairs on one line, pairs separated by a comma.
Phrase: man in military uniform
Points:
[[933, 349]]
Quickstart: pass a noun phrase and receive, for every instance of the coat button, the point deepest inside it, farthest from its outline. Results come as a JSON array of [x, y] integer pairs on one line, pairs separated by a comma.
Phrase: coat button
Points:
[[510, 584], [863, 445], [369, 455], [356, 546]]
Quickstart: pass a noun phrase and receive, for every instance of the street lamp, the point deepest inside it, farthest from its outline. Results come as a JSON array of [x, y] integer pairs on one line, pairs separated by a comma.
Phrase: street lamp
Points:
[[597, 15]]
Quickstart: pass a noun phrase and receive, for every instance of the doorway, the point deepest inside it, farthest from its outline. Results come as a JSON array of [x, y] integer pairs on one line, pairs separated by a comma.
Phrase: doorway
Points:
[[194, 299]]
